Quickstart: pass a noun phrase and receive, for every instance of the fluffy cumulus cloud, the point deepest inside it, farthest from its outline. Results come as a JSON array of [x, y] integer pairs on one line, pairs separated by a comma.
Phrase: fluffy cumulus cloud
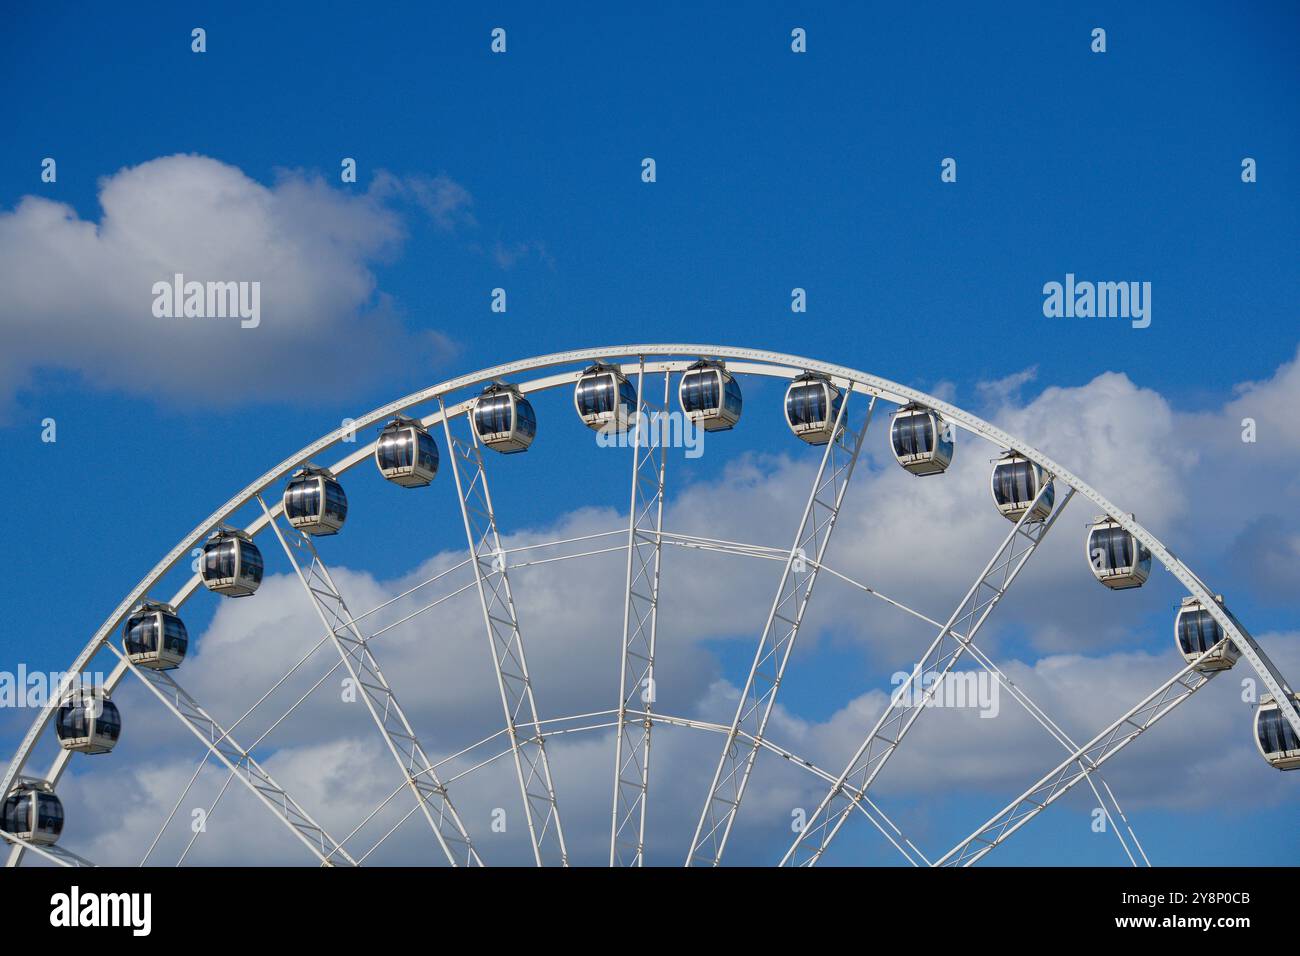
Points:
[[1071, 646], [80, 293]]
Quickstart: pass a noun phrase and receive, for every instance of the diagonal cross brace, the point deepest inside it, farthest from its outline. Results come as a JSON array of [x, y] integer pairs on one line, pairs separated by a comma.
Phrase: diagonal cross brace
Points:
[[793, 594], [1087, 758], [905, 705], [430, 794], [238, 761]]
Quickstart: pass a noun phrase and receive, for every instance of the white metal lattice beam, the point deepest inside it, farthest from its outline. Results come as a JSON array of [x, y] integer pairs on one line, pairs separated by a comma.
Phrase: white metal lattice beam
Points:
[[1078, 765], [506, 643], [906, 705], [793, 595], [52, 852], [240, 762], [640, 629], [382, 704]]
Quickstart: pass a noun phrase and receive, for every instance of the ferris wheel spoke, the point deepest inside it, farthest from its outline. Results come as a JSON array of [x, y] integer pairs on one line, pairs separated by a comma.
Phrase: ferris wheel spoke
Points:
[[212, 807], [50, 851], [203, 762], [1108, 803], [294, 706], [238, 761], [506, 643], [1083, 762], [793, 594], [349, 624], [876, 816], [906, 704], [640, 628], [768, 553], [387, 714], [696, 542]]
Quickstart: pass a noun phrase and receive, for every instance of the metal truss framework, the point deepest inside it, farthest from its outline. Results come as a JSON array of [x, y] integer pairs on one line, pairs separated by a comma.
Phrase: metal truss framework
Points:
[[52, 852], [640, 628], [363, 669], [651, 358], [793, 594], [506, 643], [239, 762], [906, 705], [1107, 800], [1081, 764]]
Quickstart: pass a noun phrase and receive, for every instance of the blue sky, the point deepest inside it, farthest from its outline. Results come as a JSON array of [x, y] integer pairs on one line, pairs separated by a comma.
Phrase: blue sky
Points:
[[774, 171]]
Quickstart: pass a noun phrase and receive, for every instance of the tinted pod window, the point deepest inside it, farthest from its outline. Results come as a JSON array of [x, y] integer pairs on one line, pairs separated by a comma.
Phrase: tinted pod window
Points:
[[141, 633], [1112, 548], [175, 637], [734, 400], [701, 391], [527, 426], [428, 452], [303, 498], [395, 450], [596, 395], [913, 435], [17, 813], [806, 404], [1275, 734], [492, 415]]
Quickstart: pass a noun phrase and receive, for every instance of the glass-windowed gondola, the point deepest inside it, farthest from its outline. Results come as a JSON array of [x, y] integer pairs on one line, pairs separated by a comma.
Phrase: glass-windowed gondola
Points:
[[87, 722], [812, 405], [503, 419], [922, 441], [1196, 631], [1274, 735], [33, 812], [604, 398], [406, 453], [232, 563], [1118, 560], [710, 396], [314, 501], [155, 637], [1016, 482]]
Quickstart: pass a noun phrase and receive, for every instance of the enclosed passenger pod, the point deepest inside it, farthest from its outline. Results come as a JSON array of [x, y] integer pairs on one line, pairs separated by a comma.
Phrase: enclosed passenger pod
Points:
[[1196, 632], [504, 419], [1118, 560], [710, 396], [1016, 482], [812, 406], [32, 812], [232, 564], [155, 637], [314, 501], [87, 722], [604, 398], [922, 441], [406, 453], [1275, 736]]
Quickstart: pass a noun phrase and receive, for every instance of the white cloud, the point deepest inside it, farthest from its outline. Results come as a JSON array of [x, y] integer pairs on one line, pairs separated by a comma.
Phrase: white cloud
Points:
[[1002, 390], [78, 293], [447, 202]]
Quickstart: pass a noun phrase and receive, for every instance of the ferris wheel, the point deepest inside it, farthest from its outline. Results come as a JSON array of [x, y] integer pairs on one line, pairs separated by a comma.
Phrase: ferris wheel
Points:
[[627, 390]]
